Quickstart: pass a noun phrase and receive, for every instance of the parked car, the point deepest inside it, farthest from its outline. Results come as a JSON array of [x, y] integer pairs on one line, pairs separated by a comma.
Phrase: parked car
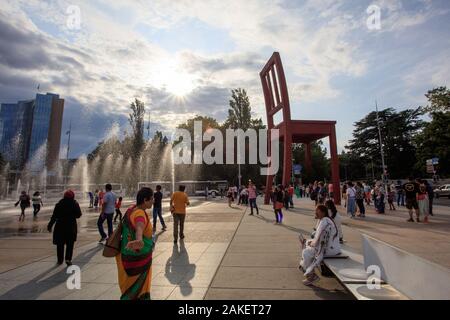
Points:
[[442, 191], [212, 192]]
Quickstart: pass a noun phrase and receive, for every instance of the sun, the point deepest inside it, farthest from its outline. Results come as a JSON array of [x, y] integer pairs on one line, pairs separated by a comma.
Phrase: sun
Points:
[[175, 80]]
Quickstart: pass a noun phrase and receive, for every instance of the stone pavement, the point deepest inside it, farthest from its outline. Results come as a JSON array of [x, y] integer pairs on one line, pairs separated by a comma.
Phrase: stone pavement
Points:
[[226, 254]]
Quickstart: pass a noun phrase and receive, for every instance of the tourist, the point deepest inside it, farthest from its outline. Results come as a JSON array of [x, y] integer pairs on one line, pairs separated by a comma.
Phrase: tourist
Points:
[[307, 188], [230, 196], [134, 263], [101, 195], [391, 197], [330, 191], [411, 189], [64, 217], [379, 200], [367, 190], [322, 193], [324, 243], [157, 209], [360, 195], [430, 196], [24, 202], [244, 196], [286, 197], [108, 202], [344, 194], [400, 194], [279, 204], [350, 193], [96, 200], [118, 212], [423, 202], [37, 203], [91, 199], [336, 218], [178, 204], [252, 195], [291, 195]]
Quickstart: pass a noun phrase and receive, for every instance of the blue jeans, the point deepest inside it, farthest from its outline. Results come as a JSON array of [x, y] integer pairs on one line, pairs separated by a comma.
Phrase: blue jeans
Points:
[[157, 212], [351, 206], [101, 220], [253, 205], [400, 199]]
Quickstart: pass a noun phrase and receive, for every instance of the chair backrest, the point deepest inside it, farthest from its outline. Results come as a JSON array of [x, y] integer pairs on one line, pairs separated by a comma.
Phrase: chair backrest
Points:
[[275, 90]]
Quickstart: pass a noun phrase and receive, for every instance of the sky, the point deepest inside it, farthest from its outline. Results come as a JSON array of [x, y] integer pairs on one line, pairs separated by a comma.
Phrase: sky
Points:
[[182, 58]]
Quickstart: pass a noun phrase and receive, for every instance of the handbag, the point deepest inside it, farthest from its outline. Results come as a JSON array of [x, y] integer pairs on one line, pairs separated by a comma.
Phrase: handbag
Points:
[[112, 246]]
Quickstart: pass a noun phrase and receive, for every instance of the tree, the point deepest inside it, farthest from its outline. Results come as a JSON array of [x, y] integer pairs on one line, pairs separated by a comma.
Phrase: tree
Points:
[[434, 140], [320, 164], [136, 120], [398, 130], [439, 100]]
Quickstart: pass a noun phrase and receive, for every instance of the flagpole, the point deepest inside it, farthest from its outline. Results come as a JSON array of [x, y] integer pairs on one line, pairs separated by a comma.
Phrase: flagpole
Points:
[[68, 150]]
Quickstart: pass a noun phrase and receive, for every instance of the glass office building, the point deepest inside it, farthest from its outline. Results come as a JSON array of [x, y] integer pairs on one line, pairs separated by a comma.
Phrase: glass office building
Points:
[[16, 120], [31, 132]]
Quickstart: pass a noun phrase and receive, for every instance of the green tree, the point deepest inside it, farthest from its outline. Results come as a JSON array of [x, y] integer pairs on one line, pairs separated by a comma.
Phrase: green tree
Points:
[[398, 130], [434, 140], [136, 120], [438, 99], [320, 163]]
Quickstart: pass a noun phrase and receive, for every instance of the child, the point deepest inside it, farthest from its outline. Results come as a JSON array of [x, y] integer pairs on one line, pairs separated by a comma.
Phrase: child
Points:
[[391, 196], [118, 212]]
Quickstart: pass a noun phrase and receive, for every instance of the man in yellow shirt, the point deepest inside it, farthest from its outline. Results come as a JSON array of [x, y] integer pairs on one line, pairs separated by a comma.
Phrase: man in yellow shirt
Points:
[[178, 204]]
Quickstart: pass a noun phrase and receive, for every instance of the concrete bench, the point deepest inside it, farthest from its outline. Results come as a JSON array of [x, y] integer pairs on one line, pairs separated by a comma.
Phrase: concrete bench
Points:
[[349, 270]]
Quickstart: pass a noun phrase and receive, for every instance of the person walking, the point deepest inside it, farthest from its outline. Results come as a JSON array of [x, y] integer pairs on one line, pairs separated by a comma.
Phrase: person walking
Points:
[[291, 195], [367, 190], [252, 195], [322, 193], [134, 262], [118, 212], [278, 204], [64, 218], [351, 199], [91, 199], [107, 212], [423, 202], [37, 203], [391, 197], [344, 194], [24, 203], [400, 194], [360, 195], [157, 209], [178, 204], [430, 196], [230, 196], [411, 189], [96, 199], [330, 191]]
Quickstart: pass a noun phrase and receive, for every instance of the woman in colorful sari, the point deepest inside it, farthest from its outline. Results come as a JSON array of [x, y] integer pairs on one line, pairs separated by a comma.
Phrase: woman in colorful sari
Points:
[[134, 262], [324, 243]]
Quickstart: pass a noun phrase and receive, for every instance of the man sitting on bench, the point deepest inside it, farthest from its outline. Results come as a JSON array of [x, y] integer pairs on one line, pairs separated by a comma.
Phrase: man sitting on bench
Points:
[[325, 242]]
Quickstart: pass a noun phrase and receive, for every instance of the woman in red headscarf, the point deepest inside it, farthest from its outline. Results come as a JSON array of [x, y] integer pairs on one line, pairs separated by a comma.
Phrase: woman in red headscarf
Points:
[[65, 216]]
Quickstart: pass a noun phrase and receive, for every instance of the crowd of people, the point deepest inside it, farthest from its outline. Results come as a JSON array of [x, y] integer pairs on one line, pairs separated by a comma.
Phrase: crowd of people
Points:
[[137, 228]]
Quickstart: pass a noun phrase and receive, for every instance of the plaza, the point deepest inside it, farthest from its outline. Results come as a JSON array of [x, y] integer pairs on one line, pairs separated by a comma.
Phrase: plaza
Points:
[[227, 254]]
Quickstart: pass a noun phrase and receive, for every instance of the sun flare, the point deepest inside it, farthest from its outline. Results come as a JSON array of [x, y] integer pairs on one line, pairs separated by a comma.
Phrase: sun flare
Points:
[[175, 80]]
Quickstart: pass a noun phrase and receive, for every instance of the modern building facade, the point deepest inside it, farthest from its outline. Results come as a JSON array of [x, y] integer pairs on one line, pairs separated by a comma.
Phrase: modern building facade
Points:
[[30, 132]]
